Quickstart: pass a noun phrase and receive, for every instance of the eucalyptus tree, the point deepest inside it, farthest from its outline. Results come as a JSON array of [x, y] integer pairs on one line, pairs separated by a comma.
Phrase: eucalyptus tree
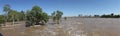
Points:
[[36, 15], [13, 15], [6, 9], [22, 15]]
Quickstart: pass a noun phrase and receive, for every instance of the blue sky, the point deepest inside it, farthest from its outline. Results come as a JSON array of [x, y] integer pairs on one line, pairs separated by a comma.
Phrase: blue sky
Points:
[[69, 7]]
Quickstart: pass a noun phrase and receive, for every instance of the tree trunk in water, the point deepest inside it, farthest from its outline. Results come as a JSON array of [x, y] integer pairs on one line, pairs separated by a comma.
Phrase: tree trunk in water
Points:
[[6, 18], [13, 17], [5, 22], [57, 21], [13, 21]]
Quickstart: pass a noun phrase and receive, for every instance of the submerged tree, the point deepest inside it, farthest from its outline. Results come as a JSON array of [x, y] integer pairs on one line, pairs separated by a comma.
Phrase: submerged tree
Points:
[[36, 16], [57, 16], [53, 16], [65, 18]]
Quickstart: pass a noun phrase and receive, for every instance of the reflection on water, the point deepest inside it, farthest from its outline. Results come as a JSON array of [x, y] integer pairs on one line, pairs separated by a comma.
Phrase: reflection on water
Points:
[[69, 27]]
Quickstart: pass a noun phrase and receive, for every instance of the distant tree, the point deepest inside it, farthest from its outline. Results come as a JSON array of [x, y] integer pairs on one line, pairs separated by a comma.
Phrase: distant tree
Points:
[[112, 14], [79, 15], [105, 16], [37, 16], [116, 16], [6, 9], [96, 15], [89, 15], [57, 16], [65, 18], [21, 15]]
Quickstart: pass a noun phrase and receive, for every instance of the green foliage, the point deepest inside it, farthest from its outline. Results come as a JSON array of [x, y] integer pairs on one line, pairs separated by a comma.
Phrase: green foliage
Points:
[[45, 17], [6, 8], [36, 15], [36, 9], [13, 15], [1, 19], [57, 16], [21, 15]]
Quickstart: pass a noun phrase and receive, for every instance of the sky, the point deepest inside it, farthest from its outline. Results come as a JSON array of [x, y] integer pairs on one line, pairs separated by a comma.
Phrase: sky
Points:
[[69, 7]]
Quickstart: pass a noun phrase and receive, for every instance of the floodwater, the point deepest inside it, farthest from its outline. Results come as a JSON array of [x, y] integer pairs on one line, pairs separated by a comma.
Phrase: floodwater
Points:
[[69, 27]]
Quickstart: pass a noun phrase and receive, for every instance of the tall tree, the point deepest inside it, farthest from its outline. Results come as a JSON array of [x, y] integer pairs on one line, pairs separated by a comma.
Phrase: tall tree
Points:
[[6, 9]]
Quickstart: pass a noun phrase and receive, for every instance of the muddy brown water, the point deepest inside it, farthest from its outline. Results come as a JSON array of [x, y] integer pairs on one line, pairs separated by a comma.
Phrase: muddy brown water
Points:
[[69, 27]]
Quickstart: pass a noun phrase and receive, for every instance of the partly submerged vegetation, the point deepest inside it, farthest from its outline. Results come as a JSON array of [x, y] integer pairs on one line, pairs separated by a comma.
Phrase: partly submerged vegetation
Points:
[[35, 16], [57, 16]]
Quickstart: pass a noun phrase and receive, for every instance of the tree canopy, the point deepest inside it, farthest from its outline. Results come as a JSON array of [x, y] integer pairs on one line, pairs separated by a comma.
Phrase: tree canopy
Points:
[[36, 15], [6, 8]]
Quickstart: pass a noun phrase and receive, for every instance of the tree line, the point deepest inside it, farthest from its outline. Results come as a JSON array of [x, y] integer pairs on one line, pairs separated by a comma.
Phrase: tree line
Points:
[[112, 15], [34, 16]]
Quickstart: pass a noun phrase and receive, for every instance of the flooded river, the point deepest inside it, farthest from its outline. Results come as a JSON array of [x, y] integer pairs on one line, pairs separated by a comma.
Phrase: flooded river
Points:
[[69, 27]]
